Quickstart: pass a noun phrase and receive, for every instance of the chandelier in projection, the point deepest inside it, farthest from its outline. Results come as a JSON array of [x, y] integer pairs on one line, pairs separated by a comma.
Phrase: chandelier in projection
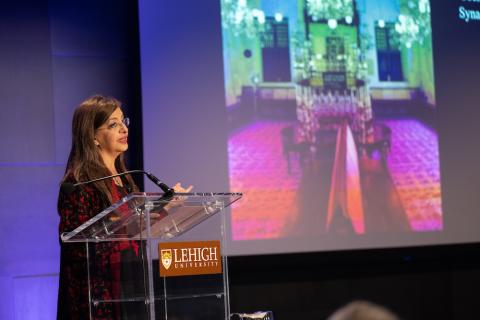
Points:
[[413, 25], [330, 10], [241, 18]]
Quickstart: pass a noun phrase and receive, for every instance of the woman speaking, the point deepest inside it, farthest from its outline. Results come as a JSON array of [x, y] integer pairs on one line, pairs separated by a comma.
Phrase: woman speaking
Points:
[[99, 140]]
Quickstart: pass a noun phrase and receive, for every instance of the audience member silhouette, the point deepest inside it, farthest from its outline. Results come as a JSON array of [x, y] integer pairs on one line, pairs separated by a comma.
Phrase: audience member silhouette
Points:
[[363, 310]]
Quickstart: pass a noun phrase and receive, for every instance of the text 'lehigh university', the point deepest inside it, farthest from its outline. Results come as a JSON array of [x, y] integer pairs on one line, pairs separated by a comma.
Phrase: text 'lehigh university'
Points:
[[189, 258]]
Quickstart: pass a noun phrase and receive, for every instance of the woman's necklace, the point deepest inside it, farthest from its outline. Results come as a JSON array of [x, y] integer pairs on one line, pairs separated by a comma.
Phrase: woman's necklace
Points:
[[118, 181]]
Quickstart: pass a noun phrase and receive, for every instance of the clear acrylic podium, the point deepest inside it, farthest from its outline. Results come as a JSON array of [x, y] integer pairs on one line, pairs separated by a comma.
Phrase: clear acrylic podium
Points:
[[132, 229]]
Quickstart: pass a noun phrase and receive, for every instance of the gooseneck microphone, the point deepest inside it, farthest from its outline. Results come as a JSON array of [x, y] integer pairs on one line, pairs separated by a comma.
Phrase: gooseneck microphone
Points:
[[68, 187]]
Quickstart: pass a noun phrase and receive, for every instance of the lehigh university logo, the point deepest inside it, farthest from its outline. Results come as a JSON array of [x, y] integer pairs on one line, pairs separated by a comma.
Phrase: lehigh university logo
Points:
[[167, 258], [189, 258]]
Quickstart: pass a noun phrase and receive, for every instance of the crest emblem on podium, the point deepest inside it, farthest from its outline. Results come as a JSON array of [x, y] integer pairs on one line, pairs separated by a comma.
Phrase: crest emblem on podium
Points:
[[166, 258]]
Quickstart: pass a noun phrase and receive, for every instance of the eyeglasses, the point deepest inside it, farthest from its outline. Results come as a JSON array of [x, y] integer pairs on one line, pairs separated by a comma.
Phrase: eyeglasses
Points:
[[117, 124]]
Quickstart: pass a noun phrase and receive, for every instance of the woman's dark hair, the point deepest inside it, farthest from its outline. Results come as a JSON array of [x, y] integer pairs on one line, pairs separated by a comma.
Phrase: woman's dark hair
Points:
[[84, 162]]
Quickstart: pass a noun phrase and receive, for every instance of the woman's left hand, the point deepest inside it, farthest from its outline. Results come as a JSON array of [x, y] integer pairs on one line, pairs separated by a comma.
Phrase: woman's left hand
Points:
[[178, 200], [179, 189]]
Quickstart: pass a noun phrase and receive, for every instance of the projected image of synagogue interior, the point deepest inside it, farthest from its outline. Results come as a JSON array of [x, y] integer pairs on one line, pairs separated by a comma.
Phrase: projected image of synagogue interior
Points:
[[331, 110]]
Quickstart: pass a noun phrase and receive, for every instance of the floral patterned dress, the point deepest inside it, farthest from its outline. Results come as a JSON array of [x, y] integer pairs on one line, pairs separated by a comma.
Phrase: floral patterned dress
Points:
[[73, 299]]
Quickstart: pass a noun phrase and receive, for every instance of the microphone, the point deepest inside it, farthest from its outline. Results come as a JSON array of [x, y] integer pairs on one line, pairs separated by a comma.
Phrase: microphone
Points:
[[68, 187]]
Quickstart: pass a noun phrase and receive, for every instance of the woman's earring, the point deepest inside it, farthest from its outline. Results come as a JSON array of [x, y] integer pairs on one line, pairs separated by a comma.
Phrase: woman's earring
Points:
[[96, 143]]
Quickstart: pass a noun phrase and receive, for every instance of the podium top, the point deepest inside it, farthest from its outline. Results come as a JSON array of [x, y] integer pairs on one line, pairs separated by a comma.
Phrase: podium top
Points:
[[140, 215]]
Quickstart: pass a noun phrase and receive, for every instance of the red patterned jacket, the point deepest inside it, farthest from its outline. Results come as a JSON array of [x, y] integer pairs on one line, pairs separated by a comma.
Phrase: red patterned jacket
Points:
[[75, 209]]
